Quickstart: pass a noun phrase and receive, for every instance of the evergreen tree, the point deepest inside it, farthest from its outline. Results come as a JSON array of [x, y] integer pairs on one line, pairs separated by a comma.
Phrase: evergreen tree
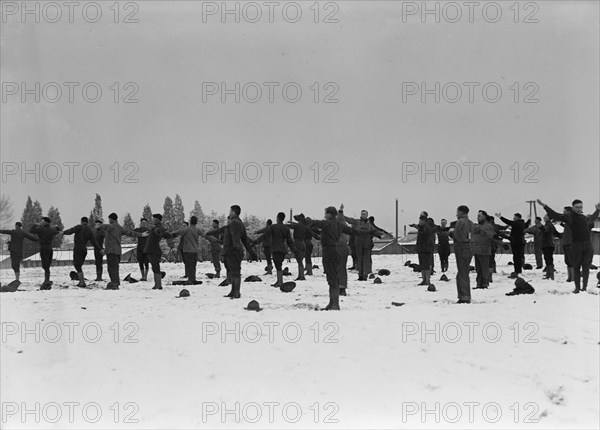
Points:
[[97, 211], [147, 213], [56, 221], [6, 212], [168, 220], [178, 212], [197, 211], [32, 214], [130, 225]]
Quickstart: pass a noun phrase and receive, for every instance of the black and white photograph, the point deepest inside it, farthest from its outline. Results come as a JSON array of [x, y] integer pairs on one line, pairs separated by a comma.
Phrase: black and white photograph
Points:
[[307, 214]]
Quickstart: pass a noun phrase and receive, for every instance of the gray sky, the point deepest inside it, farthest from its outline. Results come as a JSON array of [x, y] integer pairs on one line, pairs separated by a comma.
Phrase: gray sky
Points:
[[370, 133]]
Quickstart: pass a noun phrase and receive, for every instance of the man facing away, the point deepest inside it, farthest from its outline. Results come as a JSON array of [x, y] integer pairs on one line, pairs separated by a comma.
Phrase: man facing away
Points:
[[45, 234], [83, 234], [481, 242], [234, 242], [98, 253], [517, 240], [536, 231], [15, 247], [142, 258]]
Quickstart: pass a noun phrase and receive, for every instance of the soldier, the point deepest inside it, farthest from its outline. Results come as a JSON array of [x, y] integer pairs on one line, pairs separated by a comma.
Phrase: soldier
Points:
[[424, 247], [344, 251], [443, 244], [112, 247], [98, 254], [45, 234], [517, 240], [331, 229], [300, 232], [566, 241], [215, 238], [15, 247], [582, 250], [481, 242], [234, 241], [141, 244], [83, 235], [536, 231], [265, 239], [152, 249], [364, 239], [189, 245], [461, 234], [280, 239], [547, 244]]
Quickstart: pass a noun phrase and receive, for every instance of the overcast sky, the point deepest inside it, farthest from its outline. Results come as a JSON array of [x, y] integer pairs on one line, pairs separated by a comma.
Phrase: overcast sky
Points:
[[372, 134]]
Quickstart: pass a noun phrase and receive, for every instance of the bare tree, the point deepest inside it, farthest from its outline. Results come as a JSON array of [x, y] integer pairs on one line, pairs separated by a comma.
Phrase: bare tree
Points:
[[6, 211]]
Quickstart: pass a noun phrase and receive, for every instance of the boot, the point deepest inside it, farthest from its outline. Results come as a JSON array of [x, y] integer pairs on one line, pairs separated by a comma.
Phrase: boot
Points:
[[342, 291], [424, 276], [81, 283], [570, 274], [237, 284], [218, 274], [309, 269], [157, 281], [550, 274], [144, 274], [300, 272], [17, 276], [269, 270], [334, 294], [584, 279], [46, 278], [99, 274], [490, 277], [230, 281], [279, 281]]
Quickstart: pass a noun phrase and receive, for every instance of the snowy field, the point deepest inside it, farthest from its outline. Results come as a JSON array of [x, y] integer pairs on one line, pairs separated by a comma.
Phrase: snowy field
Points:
[[138, 358]]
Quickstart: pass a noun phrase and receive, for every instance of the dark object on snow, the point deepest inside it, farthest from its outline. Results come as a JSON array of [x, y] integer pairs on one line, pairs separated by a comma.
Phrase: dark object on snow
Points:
[[398, 304], [383, 272], [415, 267], [129, 279], [372, 276], [287, 287], [253, 305], [225, 283], [211, 275], [163, 274], [187, 282], [111, 286], [46, 285], [593, 267], [431, 288], [315, 266], [521, 287], [286, 272], [378, 280], [184, 293], [471, 268], [10, 288], [407, 264], [444, 278], [598, 276], [527, 266], [73, 275], [252, 278], [510, 263]]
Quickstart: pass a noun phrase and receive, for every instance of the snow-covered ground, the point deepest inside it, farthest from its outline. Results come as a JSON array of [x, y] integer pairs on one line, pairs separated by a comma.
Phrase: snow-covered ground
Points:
[[138, 358]]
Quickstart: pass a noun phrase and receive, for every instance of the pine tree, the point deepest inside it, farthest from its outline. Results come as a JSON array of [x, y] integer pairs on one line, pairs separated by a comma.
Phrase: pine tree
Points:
[[97, 211], [6, 212], [31, 214], [198, 213], [129, 225], [56, 221], [168, 220], [178, 212], [147, 213]]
